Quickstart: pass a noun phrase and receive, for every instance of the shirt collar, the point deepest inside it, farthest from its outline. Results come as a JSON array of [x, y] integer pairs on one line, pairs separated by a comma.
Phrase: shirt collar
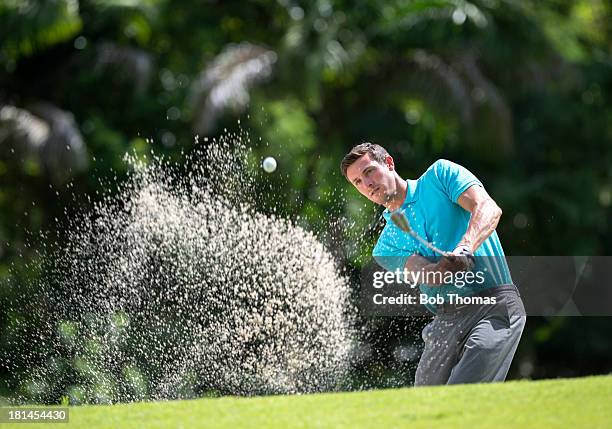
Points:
[[411, 196]]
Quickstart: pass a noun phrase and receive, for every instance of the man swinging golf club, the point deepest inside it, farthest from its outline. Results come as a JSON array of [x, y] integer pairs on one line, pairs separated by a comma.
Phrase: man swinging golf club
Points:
[[447, 205]]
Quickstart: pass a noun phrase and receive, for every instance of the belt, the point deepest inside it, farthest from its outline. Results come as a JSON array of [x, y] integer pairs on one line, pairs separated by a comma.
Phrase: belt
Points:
[[449, 308]]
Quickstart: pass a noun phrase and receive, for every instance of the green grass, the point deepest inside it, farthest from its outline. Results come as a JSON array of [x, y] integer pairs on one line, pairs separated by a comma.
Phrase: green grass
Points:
[[570, 403]]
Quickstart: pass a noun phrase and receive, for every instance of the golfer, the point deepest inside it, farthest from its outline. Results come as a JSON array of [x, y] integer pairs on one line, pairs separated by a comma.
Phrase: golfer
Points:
[[448, 207]]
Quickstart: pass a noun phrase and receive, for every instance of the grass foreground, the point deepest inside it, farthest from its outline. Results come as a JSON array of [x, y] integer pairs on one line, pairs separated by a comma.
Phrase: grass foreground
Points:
[[569, 403]]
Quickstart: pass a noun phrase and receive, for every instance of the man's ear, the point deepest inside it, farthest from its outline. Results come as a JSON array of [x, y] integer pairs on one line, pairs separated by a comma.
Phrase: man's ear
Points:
[[389, 162]]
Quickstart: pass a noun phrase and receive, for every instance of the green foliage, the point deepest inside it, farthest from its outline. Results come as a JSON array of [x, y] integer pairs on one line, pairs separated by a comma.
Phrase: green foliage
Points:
[[29, 26]]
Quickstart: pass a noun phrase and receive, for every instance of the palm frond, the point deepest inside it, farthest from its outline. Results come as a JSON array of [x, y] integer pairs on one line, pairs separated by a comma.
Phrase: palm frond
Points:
[[130, 63], [436, 81], [47, 132], [64, 153], [459, 88], [22, 130], [487, 96], [226, 81]]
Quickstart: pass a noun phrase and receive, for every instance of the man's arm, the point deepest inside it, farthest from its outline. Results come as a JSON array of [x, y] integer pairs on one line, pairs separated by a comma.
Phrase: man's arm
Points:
[[485, 216]]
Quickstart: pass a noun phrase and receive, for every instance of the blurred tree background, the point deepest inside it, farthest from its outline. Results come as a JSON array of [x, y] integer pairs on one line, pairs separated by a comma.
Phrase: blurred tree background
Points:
[[519, 92]]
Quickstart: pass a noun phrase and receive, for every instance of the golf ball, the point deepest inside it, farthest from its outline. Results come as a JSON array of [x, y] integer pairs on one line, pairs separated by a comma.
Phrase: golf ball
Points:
[[269, 164]]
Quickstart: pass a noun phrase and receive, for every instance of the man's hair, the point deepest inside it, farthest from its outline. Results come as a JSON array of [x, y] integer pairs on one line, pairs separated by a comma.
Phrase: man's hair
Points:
[[376, 153]]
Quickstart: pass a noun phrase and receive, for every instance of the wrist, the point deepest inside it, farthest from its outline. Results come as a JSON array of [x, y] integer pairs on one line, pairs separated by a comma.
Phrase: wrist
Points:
[[463, 248]]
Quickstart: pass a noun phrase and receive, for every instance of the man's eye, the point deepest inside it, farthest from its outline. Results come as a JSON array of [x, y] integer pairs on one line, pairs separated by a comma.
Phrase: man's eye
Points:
[[357, 182]]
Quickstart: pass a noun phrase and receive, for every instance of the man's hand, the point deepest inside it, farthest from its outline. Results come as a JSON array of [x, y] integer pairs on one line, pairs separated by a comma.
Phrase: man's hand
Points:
[[463, 250], [455, 263], [461, 259]]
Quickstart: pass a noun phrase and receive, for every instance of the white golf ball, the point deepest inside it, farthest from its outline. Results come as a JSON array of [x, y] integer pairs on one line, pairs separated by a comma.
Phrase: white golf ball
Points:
[[269, 164]]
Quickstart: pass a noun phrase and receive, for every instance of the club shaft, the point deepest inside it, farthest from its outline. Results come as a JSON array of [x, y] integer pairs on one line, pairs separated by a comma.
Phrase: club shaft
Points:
[[428, 244], [400, 219]]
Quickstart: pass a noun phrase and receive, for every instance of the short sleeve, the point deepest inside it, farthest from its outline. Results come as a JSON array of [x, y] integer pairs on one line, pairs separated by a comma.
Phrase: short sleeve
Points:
[[392, 250], [453, 178]]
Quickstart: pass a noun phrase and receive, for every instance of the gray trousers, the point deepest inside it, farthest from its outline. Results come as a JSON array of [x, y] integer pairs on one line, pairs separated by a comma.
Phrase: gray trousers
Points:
[[472, 343]]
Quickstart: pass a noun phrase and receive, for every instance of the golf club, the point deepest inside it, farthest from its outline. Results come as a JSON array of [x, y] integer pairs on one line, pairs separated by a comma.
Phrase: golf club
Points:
[[401, 221]]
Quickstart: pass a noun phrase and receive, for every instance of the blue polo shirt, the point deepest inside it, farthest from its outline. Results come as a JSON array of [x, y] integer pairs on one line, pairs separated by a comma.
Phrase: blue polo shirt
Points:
[[432, 210]]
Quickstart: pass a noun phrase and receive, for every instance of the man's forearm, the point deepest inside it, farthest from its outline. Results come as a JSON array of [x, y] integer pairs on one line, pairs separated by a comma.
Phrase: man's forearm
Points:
[[484, 220]]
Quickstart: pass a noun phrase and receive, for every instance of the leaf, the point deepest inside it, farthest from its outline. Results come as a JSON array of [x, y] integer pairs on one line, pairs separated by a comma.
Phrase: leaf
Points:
[[226, 81]]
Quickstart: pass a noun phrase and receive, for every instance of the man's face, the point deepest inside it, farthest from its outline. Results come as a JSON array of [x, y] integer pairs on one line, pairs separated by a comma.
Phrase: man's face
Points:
[[372, 179]]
